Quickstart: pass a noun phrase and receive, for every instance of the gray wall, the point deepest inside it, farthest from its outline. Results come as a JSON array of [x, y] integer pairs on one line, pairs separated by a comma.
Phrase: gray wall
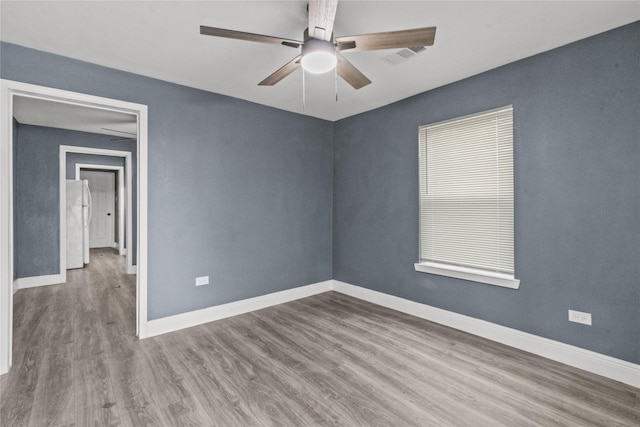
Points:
[[237, 191], [577, 194], [37, 193]]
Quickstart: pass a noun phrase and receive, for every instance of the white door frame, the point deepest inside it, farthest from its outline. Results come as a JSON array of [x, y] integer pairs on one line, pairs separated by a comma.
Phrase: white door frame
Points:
[[8, 90], [120, 193]]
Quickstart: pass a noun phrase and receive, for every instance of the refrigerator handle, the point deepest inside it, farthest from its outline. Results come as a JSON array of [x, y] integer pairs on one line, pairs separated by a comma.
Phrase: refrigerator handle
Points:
[[90, 204]]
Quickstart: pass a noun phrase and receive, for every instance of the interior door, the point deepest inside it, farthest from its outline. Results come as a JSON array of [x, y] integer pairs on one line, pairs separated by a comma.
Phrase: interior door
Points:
[[102, 185]]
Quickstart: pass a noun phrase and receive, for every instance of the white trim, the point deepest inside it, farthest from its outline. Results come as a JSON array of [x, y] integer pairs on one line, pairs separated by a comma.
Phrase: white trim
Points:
[[122, 210], [587, 360], [607, 366], [473, 275], [141, 238], [6, 226], [132, 269], [9, 89], [35, 281], [210, 314]]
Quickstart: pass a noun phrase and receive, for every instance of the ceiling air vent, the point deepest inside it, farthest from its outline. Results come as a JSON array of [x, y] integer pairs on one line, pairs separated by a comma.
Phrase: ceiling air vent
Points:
[[404, 55]]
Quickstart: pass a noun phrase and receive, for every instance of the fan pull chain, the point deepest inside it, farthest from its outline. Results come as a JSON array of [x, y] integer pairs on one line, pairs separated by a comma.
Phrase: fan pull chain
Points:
[[304, 95]]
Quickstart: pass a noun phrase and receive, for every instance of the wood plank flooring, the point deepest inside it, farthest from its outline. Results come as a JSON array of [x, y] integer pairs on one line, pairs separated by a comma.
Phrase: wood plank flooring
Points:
[[324, 360]]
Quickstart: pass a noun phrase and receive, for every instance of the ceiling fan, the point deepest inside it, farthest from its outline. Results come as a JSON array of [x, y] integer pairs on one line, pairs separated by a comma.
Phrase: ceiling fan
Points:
[[322, 52]]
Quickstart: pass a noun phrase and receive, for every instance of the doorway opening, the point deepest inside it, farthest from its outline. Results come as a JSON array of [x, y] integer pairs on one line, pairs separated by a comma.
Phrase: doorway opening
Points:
[[83, 171], [10, 92], [126, 207], [102, 225]]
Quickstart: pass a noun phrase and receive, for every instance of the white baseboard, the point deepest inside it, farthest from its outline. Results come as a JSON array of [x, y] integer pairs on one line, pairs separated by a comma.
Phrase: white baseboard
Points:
[[132, 270], [32, 282], [610, 367], [198, 317], [587, 360]]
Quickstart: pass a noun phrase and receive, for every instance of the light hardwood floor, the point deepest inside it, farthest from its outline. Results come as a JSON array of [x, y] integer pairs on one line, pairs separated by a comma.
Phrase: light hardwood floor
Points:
[[324, 360]]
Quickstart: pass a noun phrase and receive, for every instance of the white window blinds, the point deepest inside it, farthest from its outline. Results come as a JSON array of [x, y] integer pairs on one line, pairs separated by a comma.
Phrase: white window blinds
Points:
[[466, 193]]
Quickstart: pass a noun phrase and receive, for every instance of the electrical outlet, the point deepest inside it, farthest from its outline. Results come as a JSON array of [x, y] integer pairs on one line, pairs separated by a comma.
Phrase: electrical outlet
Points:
[[204, 280], [580, 317]]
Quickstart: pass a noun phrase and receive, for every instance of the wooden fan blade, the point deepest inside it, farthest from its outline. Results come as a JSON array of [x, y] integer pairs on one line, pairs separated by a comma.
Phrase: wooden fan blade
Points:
[[283, 72], [389, 40], [350, 73], [322, 13], [240, 35]]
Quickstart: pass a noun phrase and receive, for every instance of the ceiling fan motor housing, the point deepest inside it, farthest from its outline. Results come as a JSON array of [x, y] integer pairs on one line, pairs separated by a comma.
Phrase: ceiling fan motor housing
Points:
[[318, 56]]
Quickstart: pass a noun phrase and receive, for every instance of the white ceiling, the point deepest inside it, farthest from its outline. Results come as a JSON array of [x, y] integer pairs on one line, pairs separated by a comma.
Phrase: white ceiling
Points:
[[161, 39], [40, 112]]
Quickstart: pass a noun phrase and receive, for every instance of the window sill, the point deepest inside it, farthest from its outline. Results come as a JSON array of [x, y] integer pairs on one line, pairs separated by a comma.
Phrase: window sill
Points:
[[495, 279]]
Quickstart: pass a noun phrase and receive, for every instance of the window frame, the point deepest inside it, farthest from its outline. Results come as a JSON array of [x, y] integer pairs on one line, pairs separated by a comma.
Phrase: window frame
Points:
[[460, 272]]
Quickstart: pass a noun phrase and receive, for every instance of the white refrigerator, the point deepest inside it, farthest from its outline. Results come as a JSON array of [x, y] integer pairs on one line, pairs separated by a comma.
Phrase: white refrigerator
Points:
[[78, 218]]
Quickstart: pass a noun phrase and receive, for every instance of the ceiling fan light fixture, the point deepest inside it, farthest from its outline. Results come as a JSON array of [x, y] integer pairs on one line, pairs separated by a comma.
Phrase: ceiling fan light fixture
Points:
[[318, 56]]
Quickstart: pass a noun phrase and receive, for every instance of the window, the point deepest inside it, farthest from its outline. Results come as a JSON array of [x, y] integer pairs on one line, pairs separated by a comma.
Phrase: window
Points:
[[466, 198]]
